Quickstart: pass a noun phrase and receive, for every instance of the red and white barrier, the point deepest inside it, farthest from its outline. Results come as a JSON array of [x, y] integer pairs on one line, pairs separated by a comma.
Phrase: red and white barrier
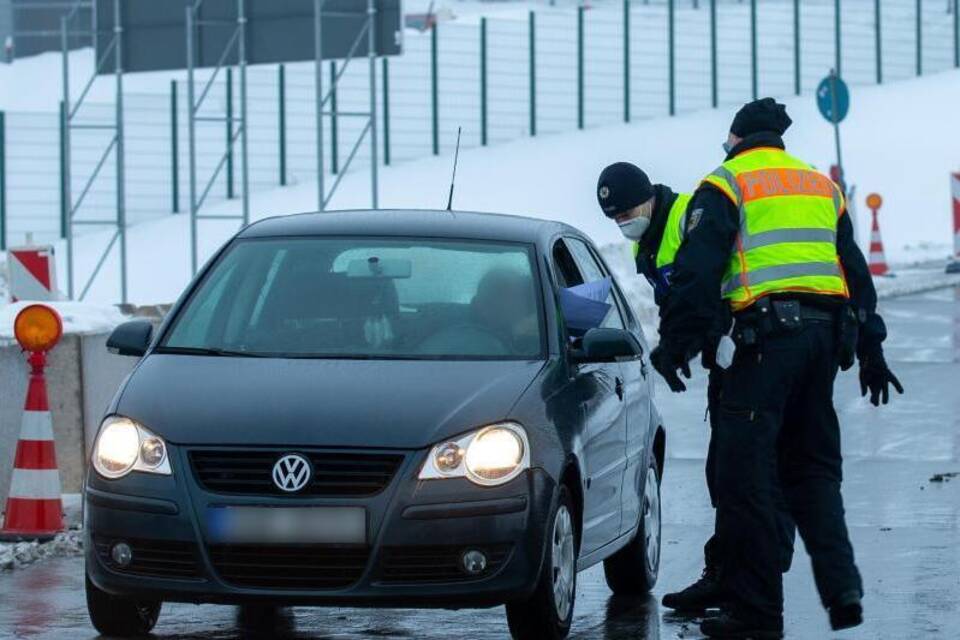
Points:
[[954, 267], [34, 506], [32, 273], [877, 259]]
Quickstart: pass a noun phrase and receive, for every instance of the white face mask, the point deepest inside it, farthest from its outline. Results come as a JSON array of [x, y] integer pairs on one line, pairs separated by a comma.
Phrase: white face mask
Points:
[[635, 228]]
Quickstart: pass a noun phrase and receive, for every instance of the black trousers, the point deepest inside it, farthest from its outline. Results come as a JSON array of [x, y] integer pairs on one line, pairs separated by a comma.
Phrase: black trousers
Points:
[[776, 430], [787, 530]]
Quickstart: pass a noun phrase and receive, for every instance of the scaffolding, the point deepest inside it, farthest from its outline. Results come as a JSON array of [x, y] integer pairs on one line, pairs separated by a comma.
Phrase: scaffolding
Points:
[[69, 123]]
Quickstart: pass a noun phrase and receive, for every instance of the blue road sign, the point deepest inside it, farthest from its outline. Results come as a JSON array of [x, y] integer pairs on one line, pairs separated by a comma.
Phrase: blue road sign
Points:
[[826, 99]]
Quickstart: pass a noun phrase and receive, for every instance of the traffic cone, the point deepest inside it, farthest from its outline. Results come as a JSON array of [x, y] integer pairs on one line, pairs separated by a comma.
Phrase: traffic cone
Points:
[[34, 506], [878, 261]]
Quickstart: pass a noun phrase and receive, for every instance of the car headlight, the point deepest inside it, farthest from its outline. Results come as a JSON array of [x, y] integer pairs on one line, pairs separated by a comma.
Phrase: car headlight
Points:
[[123, 446], [489, 456]]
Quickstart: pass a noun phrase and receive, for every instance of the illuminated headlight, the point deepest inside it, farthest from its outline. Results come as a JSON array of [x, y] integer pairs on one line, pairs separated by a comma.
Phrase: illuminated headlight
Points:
[[489, 456], [124, 446]]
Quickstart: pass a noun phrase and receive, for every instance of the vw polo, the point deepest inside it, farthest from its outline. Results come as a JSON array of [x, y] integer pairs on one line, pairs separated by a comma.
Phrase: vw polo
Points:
[[390, 408]]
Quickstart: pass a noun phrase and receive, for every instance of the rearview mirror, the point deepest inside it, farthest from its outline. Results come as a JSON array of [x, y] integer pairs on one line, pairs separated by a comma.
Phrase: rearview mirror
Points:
[[607, 345], [130, 338]]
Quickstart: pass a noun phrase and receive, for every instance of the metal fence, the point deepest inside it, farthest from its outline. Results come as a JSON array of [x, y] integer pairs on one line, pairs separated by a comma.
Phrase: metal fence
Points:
[[500, 79]]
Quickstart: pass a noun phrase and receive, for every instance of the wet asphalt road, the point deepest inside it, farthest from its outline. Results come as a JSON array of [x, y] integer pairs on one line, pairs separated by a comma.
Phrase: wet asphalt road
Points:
[[905, 528]]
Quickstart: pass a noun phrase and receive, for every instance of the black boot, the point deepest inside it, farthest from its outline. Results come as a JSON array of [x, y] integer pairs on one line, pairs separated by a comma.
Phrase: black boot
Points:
[[729, 626], [846, 611], [703, 594]]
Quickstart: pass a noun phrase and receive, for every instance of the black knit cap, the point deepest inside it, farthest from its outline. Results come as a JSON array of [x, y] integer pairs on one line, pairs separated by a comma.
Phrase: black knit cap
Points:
[[621, 187], [761, 115]]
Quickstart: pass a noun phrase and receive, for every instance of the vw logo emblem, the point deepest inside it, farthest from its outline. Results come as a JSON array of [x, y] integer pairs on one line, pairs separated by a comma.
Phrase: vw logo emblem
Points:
[[291, 473]]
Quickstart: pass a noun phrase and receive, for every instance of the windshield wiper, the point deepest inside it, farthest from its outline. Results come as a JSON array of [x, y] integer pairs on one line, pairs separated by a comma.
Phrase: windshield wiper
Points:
[[209, 351]]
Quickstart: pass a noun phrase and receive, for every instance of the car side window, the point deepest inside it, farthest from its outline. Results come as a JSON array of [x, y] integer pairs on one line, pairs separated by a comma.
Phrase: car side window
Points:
[[568, 273], [589, 266]]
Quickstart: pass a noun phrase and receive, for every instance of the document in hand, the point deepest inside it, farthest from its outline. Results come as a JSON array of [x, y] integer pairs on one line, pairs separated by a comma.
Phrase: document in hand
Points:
[[585, 306]]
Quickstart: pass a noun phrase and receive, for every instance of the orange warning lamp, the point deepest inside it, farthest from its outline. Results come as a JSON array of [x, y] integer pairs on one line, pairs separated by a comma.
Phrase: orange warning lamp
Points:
[[874, 201], [37, 328]]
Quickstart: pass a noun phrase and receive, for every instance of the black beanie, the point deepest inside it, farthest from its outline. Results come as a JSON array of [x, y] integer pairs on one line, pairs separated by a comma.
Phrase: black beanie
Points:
[[621, 187], [761, 115]]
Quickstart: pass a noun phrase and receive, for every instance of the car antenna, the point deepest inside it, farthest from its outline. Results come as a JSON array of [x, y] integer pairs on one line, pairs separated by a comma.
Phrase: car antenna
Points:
[[453, 180]]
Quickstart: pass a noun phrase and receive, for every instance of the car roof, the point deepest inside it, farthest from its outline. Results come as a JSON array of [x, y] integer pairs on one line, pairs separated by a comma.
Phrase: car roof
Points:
[[411, 223]]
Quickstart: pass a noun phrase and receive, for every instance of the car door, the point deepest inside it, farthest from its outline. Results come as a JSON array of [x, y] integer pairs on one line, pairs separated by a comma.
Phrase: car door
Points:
[[599, 387], [638, 401]]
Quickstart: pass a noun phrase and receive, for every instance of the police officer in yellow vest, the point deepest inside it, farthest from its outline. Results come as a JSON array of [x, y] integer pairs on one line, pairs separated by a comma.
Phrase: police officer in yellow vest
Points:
[[652, 217], [771, 236]]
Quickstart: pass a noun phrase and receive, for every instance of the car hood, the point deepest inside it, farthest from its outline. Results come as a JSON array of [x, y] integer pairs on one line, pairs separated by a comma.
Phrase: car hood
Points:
[[298, 402]]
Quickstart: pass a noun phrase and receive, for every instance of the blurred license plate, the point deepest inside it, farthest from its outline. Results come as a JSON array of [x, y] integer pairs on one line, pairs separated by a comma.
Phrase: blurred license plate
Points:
[[290, 525]]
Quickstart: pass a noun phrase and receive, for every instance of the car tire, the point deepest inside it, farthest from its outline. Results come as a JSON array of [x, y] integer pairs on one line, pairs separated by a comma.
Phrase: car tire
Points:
[[547, 614], [120, 617], [633, 570]]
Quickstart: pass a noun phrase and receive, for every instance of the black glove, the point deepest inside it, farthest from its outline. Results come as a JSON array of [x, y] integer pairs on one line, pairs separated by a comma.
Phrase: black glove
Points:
[[876, 377], [666, 362]]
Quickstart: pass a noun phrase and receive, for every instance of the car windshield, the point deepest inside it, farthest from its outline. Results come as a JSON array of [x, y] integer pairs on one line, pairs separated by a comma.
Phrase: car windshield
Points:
[[365, 298]]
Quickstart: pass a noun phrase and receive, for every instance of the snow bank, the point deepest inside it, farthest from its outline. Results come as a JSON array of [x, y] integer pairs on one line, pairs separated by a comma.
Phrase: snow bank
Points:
[[20, 554]]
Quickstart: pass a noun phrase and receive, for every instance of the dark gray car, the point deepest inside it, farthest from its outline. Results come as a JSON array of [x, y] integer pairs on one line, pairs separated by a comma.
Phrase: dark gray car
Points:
[[381, 408]]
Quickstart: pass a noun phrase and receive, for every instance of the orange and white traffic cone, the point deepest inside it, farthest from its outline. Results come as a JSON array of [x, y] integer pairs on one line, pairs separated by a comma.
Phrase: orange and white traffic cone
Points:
[[878, 261], [34, 506]]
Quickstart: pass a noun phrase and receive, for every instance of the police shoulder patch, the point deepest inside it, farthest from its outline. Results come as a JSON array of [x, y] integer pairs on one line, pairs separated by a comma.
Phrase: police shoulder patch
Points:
[[694, 219]]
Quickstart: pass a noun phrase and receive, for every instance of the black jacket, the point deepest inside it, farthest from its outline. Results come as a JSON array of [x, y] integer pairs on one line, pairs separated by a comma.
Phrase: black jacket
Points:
[[650, 243], [705, 253]]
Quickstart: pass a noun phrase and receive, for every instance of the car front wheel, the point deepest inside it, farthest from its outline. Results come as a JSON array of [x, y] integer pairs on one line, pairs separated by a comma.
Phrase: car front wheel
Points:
[[634, 569], [120, 617], [548, 613]]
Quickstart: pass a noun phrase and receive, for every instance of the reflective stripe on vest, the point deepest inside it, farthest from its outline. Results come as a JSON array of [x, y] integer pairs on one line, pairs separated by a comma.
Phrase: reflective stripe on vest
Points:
[[788, 227]]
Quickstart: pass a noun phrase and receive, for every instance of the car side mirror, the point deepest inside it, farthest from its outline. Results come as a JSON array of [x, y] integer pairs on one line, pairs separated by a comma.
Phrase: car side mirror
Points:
[[131, 338], [607, 345]]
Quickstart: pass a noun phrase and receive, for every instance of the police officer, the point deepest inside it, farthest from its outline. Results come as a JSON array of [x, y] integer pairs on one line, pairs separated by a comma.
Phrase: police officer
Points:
[[771, 236], [651, 216], [654, 219]]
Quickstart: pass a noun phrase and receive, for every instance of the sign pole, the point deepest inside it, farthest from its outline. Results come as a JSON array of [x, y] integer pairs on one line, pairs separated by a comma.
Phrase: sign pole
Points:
[[835, 116]]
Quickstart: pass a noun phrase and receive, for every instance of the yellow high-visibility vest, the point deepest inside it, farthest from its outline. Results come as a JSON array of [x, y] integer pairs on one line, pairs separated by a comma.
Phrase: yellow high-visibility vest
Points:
[[673, 232], [788, 227]]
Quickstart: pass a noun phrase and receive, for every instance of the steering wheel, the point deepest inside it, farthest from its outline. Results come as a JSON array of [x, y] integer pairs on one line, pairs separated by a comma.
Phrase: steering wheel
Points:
[[481, 340]]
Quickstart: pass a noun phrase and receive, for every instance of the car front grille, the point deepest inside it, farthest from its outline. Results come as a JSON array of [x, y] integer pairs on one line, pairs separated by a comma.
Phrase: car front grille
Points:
[[157, 558], [436, 563], [310, 567], [335, 473]]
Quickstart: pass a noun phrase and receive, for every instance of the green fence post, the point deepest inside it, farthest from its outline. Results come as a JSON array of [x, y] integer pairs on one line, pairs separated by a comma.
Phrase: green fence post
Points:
[[836, 36], [282, 121], [174, 149], [878, 40], [229, 132], [796, 47], [483, 81], [64, 207], [386, 110], [334, 155], [919, 37], [956, 33], [670, 55], [3, 181], [626, 60], [754, 69], [580, 67], [533, 73], [714, 87], [434, 90]]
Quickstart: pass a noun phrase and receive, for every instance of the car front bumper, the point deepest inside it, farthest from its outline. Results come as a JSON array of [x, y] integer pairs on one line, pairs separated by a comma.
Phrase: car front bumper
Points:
[[417, 531]]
